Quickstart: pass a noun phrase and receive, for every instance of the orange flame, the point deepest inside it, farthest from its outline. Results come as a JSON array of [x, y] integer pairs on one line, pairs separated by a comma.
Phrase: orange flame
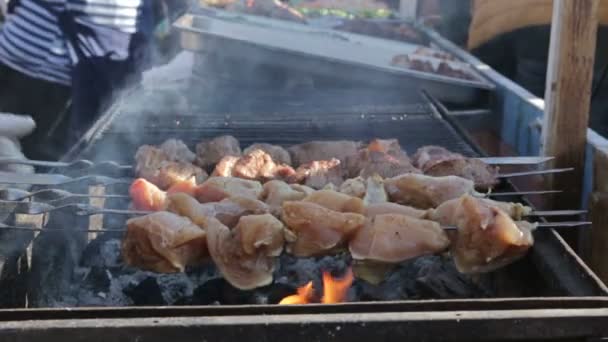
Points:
[[304, 296], [334, 290]]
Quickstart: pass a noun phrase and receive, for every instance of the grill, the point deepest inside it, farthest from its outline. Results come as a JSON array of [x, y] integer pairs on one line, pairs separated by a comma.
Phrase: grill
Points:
[[550, 293]]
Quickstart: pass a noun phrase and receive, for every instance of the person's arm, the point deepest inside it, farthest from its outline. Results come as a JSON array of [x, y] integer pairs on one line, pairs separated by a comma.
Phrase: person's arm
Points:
[[12, 128]]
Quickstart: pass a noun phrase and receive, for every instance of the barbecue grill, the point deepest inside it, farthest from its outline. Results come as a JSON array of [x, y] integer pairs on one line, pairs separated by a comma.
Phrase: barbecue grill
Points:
[[549, 294]]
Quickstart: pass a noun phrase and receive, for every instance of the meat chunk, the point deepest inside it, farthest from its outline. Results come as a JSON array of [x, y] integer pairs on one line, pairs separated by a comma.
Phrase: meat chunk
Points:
[[178, 151], [487, 238], [394, 208], [318, 230], [318, 174], [323, 150], [354, 187], [257, 165], [276, 192], [446, 211], [163, 169], [210, 152], [336, 201], [427, 156], [276, 152], [146, 196], [374, 191], [393, 238], [225, 167], [163, 242], [216, 189], [437, 161], [246, 255], [425, 192], [380, 163], [227, 211], [390, 147]]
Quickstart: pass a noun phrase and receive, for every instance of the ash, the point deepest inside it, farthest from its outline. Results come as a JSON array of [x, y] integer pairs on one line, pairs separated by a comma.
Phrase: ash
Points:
[[101, 279]]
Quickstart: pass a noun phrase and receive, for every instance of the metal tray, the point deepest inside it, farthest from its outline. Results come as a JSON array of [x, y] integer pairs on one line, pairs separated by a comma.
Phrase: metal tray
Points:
[[297, 47]]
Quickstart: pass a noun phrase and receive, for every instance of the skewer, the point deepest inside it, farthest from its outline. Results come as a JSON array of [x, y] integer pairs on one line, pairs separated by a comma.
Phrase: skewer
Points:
[[48, 195], [522, 193], [83, 164], [515, 160], [573, 224], [534, 172], [80, 209]]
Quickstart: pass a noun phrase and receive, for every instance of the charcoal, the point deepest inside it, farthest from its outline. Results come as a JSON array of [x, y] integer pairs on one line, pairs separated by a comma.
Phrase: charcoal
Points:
[[104, 251], [98, 278], [208, 293], [146, 293], [52, 268]]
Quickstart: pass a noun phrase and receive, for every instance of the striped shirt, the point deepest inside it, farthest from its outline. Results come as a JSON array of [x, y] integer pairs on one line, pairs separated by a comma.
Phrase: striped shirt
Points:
[[32, 42]]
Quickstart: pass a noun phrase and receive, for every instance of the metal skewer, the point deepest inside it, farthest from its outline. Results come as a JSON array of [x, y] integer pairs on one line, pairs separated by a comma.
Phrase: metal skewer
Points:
[[522, 193], [534, 172], [83, 164], [81, 209], [571, 224], [48, 195]]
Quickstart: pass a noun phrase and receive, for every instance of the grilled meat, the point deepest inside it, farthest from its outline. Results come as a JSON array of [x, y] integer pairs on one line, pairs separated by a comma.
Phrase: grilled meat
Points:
[[353, 187], [382, 164], [445, 212], [375, 209], [163, 242], [256, 165], [210, 152], [318, 230], [322, 150], [427, 156], [487, 238], [318, 174], [425, 192], [146, 196], [484, 175], [227, 211], [393, 238], [278, 154], [438, 161], [336, 201], [163, 169], [178, 151], [276, 192], [374, 191], [225, 167], [216, 189], [246, 255]]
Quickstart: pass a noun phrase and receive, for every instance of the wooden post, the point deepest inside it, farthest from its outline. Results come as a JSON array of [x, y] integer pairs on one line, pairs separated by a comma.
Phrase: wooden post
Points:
[[408, 9], [568, 94], [598, 209]]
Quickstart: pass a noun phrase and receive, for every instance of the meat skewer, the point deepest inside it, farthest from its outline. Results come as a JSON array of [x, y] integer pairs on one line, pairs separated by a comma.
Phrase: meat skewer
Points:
[[108, 164]]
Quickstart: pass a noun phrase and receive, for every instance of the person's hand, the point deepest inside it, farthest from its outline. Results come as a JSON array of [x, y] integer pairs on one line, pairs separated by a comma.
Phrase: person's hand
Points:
[[12, 128]]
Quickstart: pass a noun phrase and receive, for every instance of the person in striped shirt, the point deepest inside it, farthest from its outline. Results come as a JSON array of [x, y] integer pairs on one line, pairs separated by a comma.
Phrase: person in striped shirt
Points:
[[52, 51]]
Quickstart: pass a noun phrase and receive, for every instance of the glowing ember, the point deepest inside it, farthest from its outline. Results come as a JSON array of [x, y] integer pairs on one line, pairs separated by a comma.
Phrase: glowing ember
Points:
[[334, 290]]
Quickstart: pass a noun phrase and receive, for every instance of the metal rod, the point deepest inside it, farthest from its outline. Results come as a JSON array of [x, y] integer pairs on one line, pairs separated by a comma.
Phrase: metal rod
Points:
[[36, 229], [534, 172], [515, 160], [523, 193], [539, 213], [569, 224]]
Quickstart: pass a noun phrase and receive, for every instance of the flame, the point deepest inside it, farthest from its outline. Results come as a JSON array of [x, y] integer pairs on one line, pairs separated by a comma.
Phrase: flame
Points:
[[334, 290], [304, 296]]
